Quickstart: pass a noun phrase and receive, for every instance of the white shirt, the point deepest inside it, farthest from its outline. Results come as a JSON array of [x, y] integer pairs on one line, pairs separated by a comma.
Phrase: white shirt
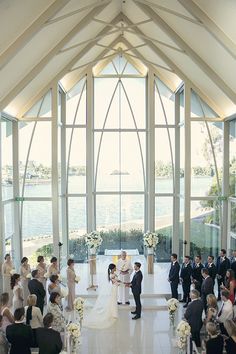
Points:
[[227, 312], [124, 265]]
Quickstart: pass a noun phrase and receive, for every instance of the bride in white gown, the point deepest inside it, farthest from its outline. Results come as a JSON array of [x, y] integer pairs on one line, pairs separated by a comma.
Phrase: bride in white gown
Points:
[[105, 311]]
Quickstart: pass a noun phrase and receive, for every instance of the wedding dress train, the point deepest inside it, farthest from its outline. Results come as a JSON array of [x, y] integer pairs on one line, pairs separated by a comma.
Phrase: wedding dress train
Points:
[[105, 311]]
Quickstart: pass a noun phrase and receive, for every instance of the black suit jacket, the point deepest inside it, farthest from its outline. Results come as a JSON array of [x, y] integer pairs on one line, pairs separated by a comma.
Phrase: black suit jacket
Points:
[[233, 267], [49, 341], [207, 286], [193, 315], [197, 272], [174, 272], [212, 270], [21, 338], [35, 287], [186, 273], [136, 283], [222, 267]]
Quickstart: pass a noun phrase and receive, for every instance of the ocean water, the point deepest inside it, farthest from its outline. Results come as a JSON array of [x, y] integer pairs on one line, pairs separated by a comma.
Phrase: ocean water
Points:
[[37, 216]]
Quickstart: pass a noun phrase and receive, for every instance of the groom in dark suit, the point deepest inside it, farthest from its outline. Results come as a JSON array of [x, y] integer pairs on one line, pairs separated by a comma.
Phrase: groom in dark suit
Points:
[[35, 287], [136, 290]]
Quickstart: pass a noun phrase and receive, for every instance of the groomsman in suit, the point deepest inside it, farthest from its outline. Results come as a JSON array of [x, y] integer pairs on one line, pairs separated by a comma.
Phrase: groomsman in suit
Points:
[[197, 278], [174, 276], [136, 287], [211, 268], [48, 339], [193, 315], [36, 287], [222, 265], [233, 262], [19, 335], [185, 278], [207, 287]]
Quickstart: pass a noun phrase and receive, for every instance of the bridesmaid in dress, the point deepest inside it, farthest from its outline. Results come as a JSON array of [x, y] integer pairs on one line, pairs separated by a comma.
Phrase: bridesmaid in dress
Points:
[[71, 280], [17, 292], [53, 268], [24, 272], [7, 267], [42, 270], [7, 317]]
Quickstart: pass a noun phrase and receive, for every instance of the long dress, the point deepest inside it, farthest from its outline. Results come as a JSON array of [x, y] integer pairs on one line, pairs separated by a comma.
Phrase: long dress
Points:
[[124, 269], [4, 346], [24, 271], [6, 275], [42, 270], [17, 302], [71, 287], [105, 311]]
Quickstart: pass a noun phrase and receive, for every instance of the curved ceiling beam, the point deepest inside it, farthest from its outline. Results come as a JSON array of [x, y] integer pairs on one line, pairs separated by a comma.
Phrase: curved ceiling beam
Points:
[[65, 70], [46, 59], [210, 26], [26, 36], [177, 70], [189, 51]]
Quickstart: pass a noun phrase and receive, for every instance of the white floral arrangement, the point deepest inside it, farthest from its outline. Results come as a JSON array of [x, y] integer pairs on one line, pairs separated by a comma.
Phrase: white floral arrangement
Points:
[[93, 240], [183, 330], [28, 276], [74, 331], [79, 306], [150, 239], [13, 271], [172, 305], [59, 277], [77, 279]]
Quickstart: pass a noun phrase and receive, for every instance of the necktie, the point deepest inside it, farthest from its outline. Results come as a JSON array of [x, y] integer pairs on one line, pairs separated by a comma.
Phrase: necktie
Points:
[[220, 312]]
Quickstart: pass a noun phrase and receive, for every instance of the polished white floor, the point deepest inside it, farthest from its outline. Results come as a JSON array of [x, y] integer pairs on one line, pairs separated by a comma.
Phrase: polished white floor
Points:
[[152, 334]]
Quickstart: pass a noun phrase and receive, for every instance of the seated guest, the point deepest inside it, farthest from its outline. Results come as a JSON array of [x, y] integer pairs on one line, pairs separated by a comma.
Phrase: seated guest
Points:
[[36, 287], [4, 347], [34, 317], [215, 343], [5, 312], [230, 284], [230, 343], [193, 315], [225, 312], [54, 285], [212, 308], [59, 321], [19, 335], [49, 341], [207, 286]]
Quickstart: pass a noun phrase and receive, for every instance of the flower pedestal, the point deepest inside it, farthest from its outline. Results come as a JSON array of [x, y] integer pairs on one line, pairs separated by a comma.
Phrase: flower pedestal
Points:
[[92, 261], [150, 260]]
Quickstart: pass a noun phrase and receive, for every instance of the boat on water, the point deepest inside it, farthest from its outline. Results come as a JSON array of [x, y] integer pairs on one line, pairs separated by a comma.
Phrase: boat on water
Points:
[[118, 172]]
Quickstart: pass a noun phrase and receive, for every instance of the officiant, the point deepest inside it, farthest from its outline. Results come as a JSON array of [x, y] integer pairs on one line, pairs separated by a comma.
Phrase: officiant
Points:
[[124, 269]]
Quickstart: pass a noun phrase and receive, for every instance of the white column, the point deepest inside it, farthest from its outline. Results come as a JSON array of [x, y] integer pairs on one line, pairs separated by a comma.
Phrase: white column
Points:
[[187, 169], [176, 203], [90, 153], [55, 190], [150, 175], [64, 200], [225, 188], [17, 237]]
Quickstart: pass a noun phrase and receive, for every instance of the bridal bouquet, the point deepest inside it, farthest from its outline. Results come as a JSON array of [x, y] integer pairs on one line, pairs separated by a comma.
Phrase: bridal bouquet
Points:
[[79, 307], [183, 331], [93, 240], [73, 330], [150, 239], [77, 279], [64, 292], [46, 275], [13, 271], [28, 276]]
